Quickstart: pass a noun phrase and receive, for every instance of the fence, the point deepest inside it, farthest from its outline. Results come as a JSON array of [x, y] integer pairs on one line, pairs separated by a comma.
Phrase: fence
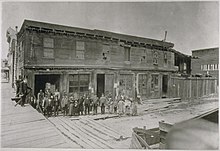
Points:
[[193, 87]]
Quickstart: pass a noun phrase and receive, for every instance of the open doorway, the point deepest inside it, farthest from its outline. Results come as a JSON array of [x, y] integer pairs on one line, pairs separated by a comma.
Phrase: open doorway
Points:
[[100, 84], [41, 80], [164, 86]]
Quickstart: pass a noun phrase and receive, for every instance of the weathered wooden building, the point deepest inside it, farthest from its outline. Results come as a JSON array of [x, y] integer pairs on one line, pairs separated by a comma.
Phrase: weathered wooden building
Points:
[[83, 60]]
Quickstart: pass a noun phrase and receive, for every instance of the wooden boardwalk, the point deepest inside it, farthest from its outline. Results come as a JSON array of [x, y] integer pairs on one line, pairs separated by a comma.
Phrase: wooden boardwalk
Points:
[[24, 127], [88, 133]]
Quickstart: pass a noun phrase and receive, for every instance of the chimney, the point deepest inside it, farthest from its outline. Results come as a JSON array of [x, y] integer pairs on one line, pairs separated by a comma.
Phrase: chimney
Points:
[[165, 37]]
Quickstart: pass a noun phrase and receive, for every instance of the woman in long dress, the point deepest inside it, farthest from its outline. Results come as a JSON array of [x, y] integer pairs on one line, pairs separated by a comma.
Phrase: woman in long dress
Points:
[[71, 100], [121, 107]]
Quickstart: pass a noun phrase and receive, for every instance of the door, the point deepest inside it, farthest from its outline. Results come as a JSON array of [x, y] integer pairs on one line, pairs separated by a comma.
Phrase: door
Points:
[[100, 84], [164, 85]]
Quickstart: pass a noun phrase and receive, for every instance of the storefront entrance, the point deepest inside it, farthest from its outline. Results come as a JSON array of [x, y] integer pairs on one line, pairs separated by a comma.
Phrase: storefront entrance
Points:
[[100, 84], [41, 80]]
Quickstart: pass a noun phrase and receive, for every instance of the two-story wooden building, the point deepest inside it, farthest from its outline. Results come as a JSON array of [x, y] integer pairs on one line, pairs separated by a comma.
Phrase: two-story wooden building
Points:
[[82, 60]]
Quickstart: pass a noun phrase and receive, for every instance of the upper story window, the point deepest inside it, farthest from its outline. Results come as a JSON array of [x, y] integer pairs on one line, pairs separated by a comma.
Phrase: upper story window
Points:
[[106, 52], [165, 59], [48, 48], [127, 52], [143, 57], [80, 49], [155, 58]]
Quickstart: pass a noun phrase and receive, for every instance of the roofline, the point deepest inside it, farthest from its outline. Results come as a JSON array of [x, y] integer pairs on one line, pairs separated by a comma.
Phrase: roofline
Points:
[[96, 32], [204, 49]]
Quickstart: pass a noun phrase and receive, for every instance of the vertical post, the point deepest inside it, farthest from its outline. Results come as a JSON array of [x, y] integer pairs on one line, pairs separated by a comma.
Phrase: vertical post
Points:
[[197, 89], [215, 86], [190, 88]]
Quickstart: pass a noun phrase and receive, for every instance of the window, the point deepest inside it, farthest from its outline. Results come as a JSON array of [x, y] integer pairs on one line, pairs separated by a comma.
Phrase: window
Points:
[[126, 84], [154, 81], [155, 58], [48, 53], [106, 52], [212, 66], [80, 45], [79, 83], [80, 48], [165, 59], [216, 67], [79, 54], [127, 53], [48, 48], [201, 67]]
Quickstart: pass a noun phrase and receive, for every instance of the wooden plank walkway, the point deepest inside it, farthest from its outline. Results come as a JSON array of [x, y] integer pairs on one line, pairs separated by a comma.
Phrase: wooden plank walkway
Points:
[[24, 127], [88, 133]]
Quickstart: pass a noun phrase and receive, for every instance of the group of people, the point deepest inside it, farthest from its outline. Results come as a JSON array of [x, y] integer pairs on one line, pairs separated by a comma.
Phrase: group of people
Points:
[[85, 104], [22, 90], [52, 103]]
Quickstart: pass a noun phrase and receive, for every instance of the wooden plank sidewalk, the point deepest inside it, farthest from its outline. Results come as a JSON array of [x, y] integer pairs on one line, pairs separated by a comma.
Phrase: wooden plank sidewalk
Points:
[[24, 127], [88, 133]]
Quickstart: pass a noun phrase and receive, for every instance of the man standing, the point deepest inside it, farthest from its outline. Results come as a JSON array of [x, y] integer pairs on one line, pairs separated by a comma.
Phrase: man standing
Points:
[[81, 102], [103, 102], [95, 104], [56, 105], [87, 105], [64, 104], [18, 83], [40, 98], [24, 91]]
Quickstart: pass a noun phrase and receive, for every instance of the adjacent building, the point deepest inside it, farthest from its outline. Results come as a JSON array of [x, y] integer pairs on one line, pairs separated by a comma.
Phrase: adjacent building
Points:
[[205, 62], [82, 60], [12, 54]]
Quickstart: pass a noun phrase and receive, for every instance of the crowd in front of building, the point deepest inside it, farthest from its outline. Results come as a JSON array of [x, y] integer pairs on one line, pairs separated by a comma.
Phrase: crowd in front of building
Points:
[[74, 104]]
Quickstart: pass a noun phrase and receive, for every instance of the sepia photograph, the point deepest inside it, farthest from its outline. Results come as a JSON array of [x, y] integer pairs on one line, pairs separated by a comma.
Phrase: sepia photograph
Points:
[[110, 75]]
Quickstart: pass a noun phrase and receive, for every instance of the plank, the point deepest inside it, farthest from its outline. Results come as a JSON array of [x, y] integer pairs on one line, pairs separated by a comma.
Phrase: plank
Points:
[[69, 134], [31, 127], [63, 145], [40, 142], [94, 131], [95, 138], [100, 130], [27, 126], [110, 129], [80, 135], [14, 141], [26, 134]]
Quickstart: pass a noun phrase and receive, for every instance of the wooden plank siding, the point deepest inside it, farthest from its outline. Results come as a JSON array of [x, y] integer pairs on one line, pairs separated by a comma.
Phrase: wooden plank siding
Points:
[[194, 87]]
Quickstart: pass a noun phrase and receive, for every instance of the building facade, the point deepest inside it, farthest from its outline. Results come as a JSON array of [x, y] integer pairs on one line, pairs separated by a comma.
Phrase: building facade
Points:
[[12, 54], [205, 62], [81, 60]]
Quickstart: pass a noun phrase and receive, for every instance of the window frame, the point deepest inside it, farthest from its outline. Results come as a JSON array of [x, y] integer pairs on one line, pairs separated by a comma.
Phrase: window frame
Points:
[[80, 52], [79, 85], [48, 47], [127, 53]]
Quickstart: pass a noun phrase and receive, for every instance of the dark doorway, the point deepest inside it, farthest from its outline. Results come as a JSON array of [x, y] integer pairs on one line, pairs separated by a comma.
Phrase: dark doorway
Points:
[[41, 80], [165, 85], [100, 84]]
